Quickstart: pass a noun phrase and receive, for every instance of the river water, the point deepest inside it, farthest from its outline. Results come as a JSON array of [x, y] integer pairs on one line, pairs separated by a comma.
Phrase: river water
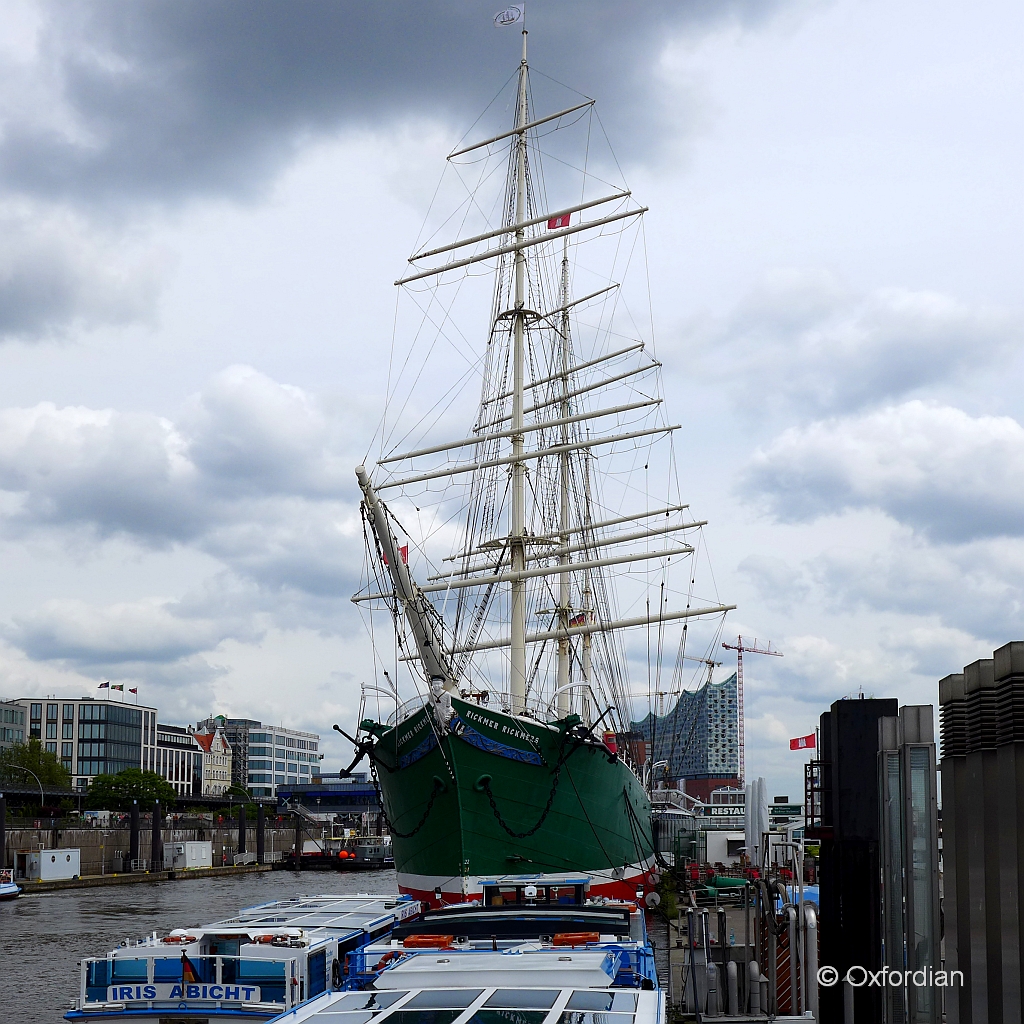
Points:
[[44, 936]]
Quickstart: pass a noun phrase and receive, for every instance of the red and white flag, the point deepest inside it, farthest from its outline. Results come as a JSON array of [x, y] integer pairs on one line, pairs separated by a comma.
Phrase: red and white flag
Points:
[[403, 551], [562, 221], [803, 743]]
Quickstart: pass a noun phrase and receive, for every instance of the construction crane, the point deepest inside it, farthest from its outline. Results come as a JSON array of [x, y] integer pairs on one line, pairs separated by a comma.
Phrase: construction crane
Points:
[[751, 647]]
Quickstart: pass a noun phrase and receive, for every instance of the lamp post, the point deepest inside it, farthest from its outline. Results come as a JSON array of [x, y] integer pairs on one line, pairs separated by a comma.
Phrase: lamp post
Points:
[[36, 777]]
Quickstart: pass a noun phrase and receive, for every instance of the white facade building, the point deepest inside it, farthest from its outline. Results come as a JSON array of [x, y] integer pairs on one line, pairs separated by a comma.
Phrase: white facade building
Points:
[[279, 757], [216, 761], [179, 759]]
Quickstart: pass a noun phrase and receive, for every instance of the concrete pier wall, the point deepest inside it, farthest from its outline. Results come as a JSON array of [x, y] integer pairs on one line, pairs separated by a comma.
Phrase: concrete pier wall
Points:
[[102, 846]]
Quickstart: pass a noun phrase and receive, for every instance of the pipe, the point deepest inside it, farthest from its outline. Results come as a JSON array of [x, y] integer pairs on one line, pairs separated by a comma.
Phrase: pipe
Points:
[[753, 989], [731, 988], [711, 973], [746, 923], [691, 928], [794, 970], [241, 828], [261, 837], [810, 964], [133, 837], [3, 832], [847, 1002], [298, 843]]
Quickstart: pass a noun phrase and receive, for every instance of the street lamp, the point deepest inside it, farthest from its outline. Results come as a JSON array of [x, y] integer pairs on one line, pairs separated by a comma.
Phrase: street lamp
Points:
[[36, 777]]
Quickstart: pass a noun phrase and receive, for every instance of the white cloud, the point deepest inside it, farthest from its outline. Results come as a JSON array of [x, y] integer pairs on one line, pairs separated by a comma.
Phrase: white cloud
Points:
[[951, 476]]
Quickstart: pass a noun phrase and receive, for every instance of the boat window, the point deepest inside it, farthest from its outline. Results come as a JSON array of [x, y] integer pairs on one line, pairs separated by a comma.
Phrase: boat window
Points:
[[130, 970], [366, 1001], [350, 1017], [97, 979], [483, 1016], [431, 998], [515, 998], [167, 969], [620, 1002], [424, 1016], [594, 1017]]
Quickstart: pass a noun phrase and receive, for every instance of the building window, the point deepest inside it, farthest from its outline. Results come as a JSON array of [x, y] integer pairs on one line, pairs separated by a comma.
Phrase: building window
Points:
[[68, 730], [37, 711], [278, 779], [292, 769], [69, 712], [289, 741], [51, 732], [51, 748], [279, 766], [66, 749], [51, 712]]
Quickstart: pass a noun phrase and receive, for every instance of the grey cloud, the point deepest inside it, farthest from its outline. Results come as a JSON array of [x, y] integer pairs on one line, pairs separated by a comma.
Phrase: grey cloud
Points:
[[804, 341], [161, 101], [778, 583], [973, 589], [83, 635], [948, 475], [56, 273]]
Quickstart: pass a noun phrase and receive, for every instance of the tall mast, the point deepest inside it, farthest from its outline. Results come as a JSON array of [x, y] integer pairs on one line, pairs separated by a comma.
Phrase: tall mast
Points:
[[563, 579], [517, 684]]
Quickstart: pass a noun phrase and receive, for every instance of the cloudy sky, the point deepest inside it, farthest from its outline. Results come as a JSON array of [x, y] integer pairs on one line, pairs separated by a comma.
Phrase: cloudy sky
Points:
[[202, 209]]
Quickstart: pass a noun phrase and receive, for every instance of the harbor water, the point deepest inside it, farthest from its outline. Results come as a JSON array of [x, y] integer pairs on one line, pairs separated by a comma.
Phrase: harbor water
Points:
[[44, 936]]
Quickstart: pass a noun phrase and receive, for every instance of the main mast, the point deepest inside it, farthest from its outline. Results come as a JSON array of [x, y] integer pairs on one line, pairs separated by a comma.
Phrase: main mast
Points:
[[517, 683]]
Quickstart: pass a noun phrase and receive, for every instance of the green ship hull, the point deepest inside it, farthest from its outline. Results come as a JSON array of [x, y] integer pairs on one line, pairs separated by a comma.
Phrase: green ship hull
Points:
[[498, 794]]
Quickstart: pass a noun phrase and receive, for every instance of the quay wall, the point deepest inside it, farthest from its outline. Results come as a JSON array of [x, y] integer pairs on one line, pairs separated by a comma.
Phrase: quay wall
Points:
[[102, 846]]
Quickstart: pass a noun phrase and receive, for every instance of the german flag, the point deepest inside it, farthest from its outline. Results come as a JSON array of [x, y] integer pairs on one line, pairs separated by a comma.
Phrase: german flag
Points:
[[189, 974]]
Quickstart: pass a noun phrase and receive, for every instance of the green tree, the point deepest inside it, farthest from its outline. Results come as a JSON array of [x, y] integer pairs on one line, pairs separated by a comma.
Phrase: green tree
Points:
[[31, 756], [116, 792]]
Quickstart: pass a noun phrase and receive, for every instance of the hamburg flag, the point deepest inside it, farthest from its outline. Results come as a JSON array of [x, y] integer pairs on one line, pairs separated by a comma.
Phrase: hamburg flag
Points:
[[803, 743], [189, 974], [403, 551], [561, 221]]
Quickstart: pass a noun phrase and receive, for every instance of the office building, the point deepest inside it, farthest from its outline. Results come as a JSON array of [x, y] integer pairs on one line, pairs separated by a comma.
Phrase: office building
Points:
[[93, 736], [12, 724], [698, 739], [281, 757], [179, 759]]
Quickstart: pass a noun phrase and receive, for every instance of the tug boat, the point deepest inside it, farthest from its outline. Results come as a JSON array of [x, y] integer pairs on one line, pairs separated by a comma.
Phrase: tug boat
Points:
[[534, 950], [8, 890], [249, 968]]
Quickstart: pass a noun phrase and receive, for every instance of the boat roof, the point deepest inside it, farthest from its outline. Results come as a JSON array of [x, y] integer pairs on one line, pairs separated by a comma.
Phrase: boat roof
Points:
[[512, 1001], [324, 912], [346, 917]]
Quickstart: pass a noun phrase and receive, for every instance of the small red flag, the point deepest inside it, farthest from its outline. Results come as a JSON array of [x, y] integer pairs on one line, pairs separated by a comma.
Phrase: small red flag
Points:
[[133, 689], [403, 551], [803, 743], [561, 221]]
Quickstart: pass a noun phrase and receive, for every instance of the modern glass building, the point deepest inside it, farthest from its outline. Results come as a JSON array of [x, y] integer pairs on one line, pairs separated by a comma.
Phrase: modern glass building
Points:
[[93, 737], [699, 737], [280, 757]]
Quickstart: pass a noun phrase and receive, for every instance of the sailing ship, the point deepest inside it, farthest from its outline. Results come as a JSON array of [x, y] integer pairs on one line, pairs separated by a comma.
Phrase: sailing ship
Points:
[[515, 752]]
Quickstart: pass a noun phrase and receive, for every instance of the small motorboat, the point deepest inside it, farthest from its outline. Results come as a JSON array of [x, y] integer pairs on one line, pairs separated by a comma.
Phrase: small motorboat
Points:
[[8, 890]]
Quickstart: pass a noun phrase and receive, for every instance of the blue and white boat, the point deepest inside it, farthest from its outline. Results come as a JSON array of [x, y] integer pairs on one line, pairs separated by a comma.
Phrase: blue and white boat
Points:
[[534, 950], [8, 890], [247, 969]]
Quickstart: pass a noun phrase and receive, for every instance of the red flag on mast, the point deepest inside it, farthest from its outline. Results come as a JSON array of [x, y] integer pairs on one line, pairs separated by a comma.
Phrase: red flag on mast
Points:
[[803, 743], [561, 221]]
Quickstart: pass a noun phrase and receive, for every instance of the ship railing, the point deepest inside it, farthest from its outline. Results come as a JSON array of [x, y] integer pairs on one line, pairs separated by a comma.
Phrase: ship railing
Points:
[[158, 980]]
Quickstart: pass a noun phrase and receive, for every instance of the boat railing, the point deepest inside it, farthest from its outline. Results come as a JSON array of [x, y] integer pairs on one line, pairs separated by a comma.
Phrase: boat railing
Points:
[[217, 980]]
